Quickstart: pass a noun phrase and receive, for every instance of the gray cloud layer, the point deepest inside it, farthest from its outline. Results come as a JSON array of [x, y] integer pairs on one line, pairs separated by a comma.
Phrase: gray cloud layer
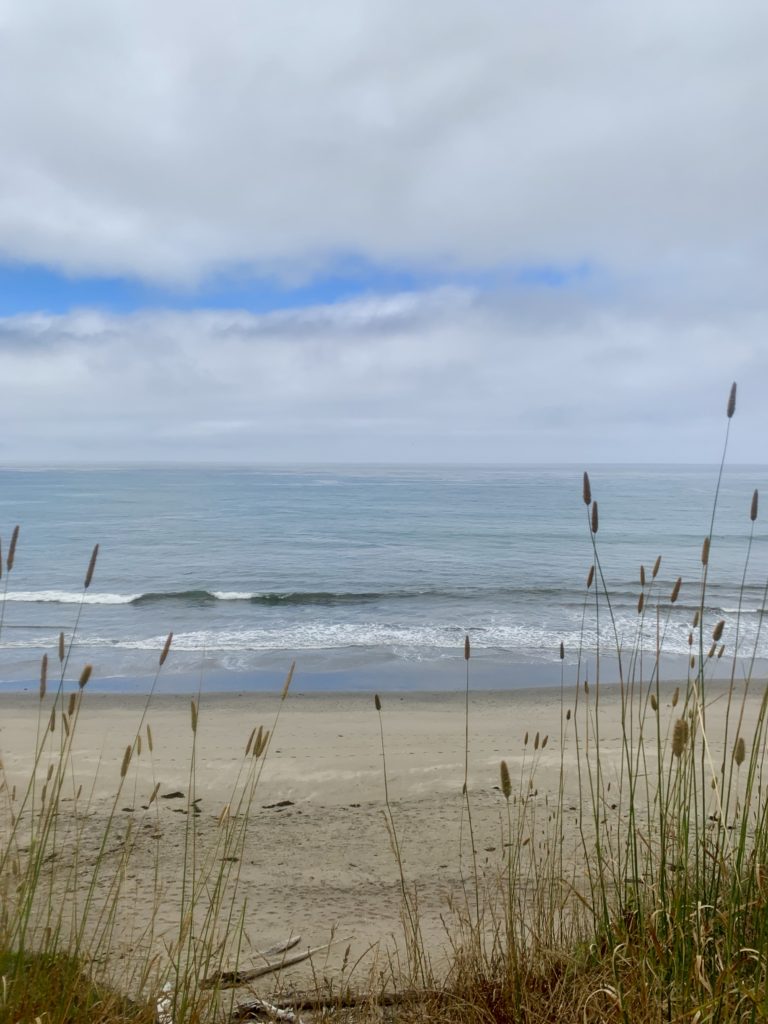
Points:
[[445, 376], [169, 139]]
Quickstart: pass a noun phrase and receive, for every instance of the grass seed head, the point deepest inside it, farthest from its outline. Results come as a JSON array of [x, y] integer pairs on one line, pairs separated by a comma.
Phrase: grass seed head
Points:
[[85, 675], [568, 715], [675, 696], [466, 647], [705, 551], [43, 675], [149, 738], [249, 744], [640, 603], [720, 650], [753, 507], [562, 651], [536, 742], [71, 704], [193, 712], [656, 567], [676, 590], [594, 521], [154, 793], [590, 576], [506, 782], [731, 407], [166, 649], [52, 722], [739, 752], [377, 701], [679, 737], [717, 632], [12, 549], [288, 681], [126, 761], [91, 567], [642, 575], [587, 490], [544, 742], [654, 702], [61, 647], [695, 619]]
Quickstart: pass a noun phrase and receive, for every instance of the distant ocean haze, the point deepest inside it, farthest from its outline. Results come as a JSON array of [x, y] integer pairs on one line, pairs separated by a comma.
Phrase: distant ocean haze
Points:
[[355, 571]]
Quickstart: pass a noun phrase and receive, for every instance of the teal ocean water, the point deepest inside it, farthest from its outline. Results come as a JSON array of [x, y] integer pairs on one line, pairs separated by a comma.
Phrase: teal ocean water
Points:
[[368, 576]]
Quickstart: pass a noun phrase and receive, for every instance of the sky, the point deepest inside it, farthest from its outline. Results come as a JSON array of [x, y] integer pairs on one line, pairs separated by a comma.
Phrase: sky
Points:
[[374, 230]]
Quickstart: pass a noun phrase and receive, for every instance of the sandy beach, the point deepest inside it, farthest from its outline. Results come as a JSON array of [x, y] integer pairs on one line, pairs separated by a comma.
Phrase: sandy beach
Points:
[[317, 859]]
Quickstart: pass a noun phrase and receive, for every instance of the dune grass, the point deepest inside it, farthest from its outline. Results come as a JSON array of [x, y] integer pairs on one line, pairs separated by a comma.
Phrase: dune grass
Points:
[[643, 898]]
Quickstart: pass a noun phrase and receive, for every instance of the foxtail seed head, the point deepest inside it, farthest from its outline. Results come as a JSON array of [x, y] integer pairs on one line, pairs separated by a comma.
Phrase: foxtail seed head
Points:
[[85, 675], [705, 552], [126, 761], [166, 649], [43, 675], [656, 567], [71, 704], [506, 782], [739, 752], [288, 681], [640, 603], [753, 507], [731, 407], [679, 737], [562, 651], [675, 696], [61, 647], [595, 519], [590, 576], [676, 590], [12, 548], [720, 650], [587, 490], [654, 702], [193, 712], [91, 567], [377, 701], [695, 619], [717, 632], [642, 575], [466, 647]]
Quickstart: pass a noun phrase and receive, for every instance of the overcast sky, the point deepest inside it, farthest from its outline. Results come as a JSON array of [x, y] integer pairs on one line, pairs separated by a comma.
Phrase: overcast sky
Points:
[[382, 230]]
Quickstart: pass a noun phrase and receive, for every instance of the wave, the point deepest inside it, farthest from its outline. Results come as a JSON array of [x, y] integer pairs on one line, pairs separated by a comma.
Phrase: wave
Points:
[[551, 596]]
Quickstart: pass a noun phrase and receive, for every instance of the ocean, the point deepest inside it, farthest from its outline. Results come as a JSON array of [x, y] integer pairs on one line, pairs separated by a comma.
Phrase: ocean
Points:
[[368, 576]]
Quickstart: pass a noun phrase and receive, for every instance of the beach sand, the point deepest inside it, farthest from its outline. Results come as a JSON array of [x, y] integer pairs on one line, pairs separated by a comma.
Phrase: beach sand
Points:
[[317, 860]]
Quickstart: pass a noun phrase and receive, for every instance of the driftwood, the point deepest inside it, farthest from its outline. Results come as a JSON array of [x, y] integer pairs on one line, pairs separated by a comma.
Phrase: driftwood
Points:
[[234, 979], [309, 1001]]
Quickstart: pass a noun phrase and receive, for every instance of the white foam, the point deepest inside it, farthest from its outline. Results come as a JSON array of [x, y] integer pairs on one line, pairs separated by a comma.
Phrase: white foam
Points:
[[68, 597]]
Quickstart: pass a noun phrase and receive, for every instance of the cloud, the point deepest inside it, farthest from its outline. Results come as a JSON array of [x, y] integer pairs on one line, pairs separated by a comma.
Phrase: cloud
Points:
[[168, 141], [448, 375]]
